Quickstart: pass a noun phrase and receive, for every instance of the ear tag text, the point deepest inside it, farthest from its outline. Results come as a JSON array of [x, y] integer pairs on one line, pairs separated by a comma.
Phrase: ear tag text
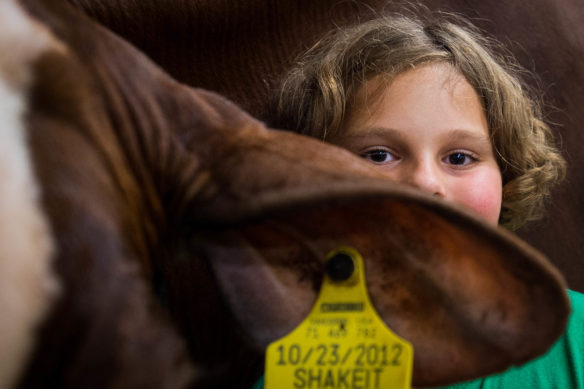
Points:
[[342, 343]]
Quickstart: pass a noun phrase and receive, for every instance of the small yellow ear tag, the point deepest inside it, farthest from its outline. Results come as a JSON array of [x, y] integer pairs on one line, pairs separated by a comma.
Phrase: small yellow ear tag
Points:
[[342, 343]]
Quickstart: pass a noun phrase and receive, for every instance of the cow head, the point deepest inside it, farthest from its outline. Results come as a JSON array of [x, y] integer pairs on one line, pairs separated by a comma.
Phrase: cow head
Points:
[[187, 236]]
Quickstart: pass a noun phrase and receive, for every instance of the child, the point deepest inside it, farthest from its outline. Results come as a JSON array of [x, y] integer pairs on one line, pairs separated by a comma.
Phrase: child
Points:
[[432, 106]]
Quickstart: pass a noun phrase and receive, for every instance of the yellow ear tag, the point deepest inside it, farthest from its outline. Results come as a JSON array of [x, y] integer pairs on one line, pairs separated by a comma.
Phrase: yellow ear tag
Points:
[[342, 343]]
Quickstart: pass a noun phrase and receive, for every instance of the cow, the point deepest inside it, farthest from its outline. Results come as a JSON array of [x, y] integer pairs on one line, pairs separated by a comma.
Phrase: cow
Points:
[[241, 52], [156, 235]]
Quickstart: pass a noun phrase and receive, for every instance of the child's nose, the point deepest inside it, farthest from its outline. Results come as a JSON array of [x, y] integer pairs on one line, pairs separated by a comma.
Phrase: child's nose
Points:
[[425, 176]]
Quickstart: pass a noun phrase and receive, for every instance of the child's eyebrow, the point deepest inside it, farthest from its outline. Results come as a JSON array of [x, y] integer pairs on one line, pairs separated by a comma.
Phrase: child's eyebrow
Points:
[[381, 132], [386, 132], [468, 135]]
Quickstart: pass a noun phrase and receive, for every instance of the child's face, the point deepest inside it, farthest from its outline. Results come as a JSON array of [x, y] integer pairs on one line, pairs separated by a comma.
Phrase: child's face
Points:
[[428, 130]]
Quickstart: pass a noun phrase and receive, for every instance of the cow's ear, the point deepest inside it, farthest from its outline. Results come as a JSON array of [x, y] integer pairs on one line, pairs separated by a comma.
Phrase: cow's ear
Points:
[[472, 299]]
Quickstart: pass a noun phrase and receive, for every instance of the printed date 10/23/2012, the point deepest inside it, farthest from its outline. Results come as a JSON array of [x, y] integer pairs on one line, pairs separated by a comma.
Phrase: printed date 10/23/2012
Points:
[[334, 354]]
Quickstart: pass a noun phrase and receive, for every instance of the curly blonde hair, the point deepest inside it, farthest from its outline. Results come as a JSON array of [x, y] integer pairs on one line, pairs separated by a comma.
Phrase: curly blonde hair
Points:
[[314, 97]]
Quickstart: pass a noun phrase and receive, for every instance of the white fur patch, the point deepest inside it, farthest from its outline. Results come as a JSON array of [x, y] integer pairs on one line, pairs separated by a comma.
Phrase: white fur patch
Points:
[[27, 283]]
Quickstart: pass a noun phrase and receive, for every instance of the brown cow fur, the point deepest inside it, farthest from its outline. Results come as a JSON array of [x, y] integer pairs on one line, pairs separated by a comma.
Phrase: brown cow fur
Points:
[[123, 153]]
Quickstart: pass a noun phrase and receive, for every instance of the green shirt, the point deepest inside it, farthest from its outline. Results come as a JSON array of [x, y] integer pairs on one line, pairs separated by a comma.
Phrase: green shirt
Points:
[[562, 367]]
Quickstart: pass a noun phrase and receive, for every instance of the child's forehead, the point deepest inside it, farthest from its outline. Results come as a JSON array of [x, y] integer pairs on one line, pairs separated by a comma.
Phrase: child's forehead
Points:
[[420, 81], [433, 72]]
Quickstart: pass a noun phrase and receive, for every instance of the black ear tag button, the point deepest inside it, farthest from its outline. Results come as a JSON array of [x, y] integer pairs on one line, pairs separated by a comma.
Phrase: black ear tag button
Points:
[[340, 267]]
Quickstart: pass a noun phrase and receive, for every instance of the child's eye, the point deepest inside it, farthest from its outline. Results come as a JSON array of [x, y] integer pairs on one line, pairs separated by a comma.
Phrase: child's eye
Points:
[[378, 156], [459, 159]]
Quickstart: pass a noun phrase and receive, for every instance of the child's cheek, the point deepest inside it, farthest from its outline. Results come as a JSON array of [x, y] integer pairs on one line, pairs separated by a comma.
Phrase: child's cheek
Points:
[[483, 195]]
